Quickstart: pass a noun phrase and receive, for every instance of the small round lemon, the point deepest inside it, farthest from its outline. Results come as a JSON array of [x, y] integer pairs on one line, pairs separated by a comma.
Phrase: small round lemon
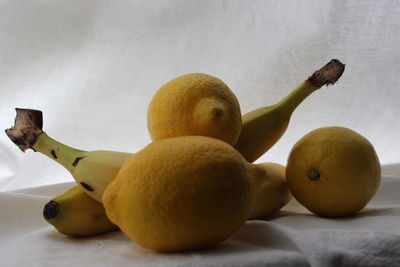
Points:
[[333, 171], [181, 193], [195, 104]]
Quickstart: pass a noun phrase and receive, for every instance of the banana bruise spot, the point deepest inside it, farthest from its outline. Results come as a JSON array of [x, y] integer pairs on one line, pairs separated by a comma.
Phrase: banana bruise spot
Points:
[[76, 161], [87, 187], [53, 153]]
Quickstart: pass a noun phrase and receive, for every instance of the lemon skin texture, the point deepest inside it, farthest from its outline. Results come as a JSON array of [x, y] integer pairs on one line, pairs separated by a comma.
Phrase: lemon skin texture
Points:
[[333, 171], [182, 193], [195, 104]]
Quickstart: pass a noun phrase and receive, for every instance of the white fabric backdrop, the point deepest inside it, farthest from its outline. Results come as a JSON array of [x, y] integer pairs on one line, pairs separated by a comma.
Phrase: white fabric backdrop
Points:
[[293, 238], [93, 66]]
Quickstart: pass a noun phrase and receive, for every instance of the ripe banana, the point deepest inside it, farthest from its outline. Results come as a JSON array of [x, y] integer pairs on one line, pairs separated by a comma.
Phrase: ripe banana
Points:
[[74, 213], [92, 170], [273, 194], [263, 127]]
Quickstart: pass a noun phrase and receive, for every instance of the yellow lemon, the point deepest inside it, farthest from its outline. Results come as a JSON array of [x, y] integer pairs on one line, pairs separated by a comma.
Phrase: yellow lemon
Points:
[[333, 171], [195, 104], [182, 193]]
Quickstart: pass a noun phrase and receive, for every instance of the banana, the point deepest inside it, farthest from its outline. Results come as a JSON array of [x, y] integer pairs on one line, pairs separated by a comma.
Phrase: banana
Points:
[[74, 213], [273, 194], [92, 170], [263, 127]]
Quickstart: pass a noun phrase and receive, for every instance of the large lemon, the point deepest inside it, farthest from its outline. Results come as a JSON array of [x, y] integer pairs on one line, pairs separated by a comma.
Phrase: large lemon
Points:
[[195, 104], [182, 193], [333, 171]]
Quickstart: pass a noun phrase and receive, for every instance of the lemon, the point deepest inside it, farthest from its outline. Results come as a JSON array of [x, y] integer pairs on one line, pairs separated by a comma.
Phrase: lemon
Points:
[[195, 104], [333, 171], [182, 193]]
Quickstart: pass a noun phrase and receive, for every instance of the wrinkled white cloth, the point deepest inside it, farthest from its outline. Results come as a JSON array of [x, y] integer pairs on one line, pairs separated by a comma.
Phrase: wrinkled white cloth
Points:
[[93, 66], [294, 237]]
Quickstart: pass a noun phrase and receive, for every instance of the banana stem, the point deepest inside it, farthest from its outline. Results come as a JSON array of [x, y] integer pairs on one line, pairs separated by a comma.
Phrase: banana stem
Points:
[[327, 75], [289, 103], [65, 155], [263, 127], [27, 133]]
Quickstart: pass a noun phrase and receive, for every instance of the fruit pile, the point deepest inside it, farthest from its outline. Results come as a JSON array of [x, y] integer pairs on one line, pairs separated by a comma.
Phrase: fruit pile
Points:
[[196, 184]]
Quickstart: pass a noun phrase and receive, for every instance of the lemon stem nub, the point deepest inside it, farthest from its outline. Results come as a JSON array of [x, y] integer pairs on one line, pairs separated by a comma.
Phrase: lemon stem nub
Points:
[[314, 175]]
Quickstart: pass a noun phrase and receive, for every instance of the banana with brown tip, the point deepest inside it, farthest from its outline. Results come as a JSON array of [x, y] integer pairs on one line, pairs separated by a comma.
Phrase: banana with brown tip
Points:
[[75, 213]]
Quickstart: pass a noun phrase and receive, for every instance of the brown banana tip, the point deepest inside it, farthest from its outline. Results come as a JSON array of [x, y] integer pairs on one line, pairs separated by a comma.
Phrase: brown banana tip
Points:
[[27, 127], [328, 74], [51, 210]]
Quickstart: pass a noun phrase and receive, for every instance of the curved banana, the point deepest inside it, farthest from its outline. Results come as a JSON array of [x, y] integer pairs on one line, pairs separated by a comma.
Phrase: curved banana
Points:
[[273, 195], [92, 170], [263, 127], [74, 213]]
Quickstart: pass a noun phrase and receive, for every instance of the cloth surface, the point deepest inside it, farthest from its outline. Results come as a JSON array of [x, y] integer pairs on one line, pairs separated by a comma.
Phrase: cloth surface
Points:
[[93, 66], [294, 237]]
